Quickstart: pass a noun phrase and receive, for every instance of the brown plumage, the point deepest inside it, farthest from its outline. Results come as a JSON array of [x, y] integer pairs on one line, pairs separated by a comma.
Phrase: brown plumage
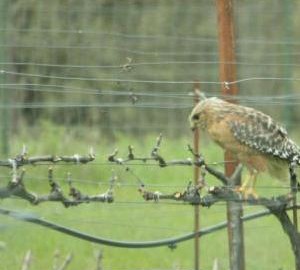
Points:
[[255, 139]]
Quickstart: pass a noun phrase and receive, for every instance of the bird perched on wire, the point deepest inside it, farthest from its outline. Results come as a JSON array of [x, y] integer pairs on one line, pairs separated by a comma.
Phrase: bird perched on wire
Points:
[[253, 137]]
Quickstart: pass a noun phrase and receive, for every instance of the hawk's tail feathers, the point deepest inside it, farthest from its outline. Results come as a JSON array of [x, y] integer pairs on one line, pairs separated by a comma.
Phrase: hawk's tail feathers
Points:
[[295, 160]]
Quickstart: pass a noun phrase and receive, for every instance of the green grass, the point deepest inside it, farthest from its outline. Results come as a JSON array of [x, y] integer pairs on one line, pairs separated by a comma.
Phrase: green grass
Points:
[[129, 218]]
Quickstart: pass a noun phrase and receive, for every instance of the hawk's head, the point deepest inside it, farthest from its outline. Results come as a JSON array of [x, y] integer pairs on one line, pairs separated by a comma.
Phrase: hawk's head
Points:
[[199, 114]]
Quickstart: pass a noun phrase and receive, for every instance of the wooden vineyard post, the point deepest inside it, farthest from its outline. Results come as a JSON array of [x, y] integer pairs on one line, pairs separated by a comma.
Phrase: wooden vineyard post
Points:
[[288, 22], [228, 74], [196, 179]]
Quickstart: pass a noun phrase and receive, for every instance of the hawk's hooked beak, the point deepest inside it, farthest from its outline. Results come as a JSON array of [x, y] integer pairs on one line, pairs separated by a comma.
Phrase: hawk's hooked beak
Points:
[[194, 119], [193, 126]]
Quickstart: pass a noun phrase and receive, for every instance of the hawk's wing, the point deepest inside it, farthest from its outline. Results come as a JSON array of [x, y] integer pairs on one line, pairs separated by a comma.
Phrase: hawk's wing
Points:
[[262, 133]]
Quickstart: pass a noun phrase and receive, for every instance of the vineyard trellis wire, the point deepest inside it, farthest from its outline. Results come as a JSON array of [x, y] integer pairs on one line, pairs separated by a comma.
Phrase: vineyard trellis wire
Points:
[[16, 187], [95, 40]]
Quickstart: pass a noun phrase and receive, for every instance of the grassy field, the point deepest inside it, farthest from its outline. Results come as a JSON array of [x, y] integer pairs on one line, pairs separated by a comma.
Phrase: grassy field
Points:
[[129, 218]]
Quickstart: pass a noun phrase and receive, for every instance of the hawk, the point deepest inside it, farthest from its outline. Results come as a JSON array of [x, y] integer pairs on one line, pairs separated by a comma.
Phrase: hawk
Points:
[[253, 137]]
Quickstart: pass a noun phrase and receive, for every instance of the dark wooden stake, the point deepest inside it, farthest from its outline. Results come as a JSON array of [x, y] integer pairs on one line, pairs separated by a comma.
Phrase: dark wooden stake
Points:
[[228, 74], [196, 179]]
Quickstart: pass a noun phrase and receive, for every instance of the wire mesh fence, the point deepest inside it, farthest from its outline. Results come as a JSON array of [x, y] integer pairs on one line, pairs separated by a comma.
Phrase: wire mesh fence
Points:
[[87, 63], [92, 71]]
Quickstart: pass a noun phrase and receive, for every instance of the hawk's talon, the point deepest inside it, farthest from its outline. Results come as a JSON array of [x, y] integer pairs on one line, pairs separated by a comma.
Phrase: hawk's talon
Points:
[[247, 192]]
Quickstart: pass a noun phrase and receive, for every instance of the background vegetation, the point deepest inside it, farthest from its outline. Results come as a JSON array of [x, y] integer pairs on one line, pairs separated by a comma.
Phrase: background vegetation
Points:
[[68, 83], [73, 38]]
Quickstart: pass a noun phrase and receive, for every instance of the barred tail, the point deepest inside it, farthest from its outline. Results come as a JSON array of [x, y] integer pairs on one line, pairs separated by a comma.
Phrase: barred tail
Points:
[[292, 152], [295, 160]]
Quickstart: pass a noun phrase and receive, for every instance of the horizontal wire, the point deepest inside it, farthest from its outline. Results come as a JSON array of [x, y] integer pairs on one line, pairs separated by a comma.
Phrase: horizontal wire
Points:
[[89, 91], [273, 99], [119, 49], [98, 47], [168, 203], [263, 78], [215, 163], [95, 105], [99, 79], [122, 184], [31, 216], [112, 34], [128, 103], [258, 100], [218, 208], [151, 106], [161, 203], [148, 37], [148, 227], [128, 225], [139, 64], [163, 106], [184, 213], [147, 81], [141, 52], [151, 53]]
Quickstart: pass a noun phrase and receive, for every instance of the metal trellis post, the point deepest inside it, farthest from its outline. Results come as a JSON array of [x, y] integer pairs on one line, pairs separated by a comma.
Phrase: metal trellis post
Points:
[[287, 69], [228, 74]]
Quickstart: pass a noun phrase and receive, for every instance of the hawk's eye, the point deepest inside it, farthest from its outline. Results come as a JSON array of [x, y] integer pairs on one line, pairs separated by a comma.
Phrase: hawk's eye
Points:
[[195, 117]]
